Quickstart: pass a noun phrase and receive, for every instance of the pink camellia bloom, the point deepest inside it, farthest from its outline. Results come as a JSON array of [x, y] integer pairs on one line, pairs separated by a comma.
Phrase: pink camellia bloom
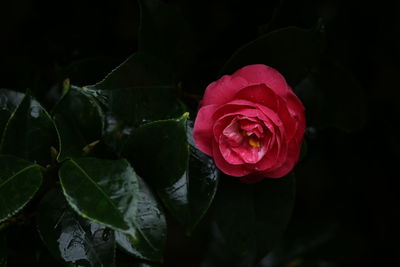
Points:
[[251, 123]]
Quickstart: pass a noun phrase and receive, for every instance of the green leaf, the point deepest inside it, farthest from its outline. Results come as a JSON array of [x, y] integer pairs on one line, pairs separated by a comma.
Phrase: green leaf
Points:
[[3, 249], [19, 181], [87, 70], [162, 37], [292, 51], [252, 218], [144, 88], [105, 191], [79, 120], [201, 178], [164, 145], [72, 239], [333, 98], [136, 92], [136, 105], [152, 228], [140, 70], [29, 133], [9, 101], [185, 179]]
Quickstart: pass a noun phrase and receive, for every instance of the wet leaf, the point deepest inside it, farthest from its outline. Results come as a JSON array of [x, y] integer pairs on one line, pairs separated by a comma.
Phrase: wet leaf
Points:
[[135, 93], [185, 179], [151, 226], [144, 87], [29, 133], [191, 202], [19, 181], [105, 191], [164, 144], [72, 239], [79, 120]]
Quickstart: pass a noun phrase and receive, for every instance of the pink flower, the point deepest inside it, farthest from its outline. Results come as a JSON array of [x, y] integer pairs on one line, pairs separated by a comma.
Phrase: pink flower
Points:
[[251, 123]]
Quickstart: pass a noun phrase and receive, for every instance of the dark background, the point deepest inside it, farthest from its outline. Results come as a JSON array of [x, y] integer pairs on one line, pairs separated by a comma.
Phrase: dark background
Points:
[[347, 211]]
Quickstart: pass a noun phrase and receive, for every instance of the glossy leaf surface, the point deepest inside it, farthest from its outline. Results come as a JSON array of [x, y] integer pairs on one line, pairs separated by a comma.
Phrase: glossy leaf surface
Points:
[[292, 51], [29, 133], [19, 181], [144, 87], [136, 92], [72, 239], [9, 101], [151, 226], [79, 120], [161, 143], [105, 191], [184, 178], [252, 218], [201, 177]]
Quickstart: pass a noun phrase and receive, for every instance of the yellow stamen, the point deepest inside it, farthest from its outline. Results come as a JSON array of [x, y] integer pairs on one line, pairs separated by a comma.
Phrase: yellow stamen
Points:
[[254, 142]]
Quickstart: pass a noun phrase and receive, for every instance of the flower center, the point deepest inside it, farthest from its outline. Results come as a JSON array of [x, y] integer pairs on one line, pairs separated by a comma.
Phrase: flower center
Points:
[[253, 141], [251, 138]]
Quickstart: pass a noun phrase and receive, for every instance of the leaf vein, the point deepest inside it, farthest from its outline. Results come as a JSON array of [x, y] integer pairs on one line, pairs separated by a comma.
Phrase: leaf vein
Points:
[[18, 173]]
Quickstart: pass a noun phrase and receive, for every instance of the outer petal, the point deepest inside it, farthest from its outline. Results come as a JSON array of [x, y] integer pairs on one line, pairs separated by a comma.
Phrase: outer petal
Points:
[[269, 159], [289, 120], [291, 160], [296, 110], [294, 102], [259, 93], [203, 129], [223, 90], [258, 73]]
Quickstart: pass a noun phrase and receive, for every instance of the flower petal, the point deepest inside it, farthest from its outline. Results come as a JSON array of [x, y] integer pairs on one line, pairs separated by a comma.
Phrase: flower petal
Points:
[[258, 73], [231, 133], [203, 129], [260, 94], [252, 125], [289, 121], [287, 166], [249, 154], [228, 152], [225, 167], [223, 90]]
